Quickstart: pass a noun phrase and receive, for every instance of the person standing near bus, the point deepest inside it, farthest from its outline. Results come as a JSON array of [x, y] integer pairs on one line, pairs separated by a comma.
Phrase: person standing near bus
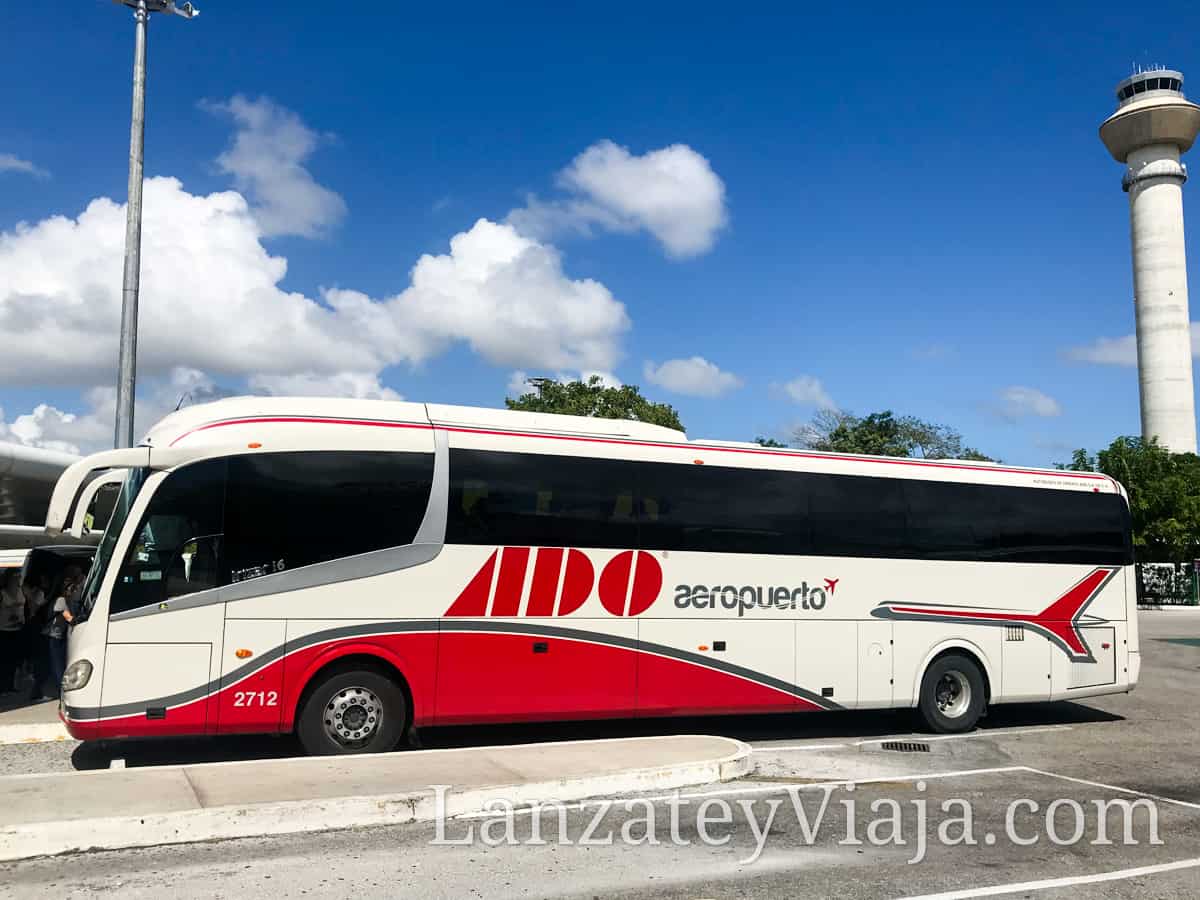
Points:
[[62, 614], [12, 626], [36, 616]]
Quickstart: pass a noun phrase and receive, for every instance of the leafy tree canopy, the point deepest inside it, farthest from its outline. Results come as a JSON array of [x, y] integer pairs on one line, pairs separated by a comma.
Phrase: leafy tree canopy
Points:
[[592, 398], [1164, 495], [884, 434], [768, 442]]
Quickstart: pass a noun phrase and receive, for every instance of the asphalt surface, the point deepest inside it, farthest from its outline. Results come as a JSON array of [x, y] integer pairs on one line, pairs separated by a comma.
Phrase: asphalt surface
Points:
[[1133, 747]]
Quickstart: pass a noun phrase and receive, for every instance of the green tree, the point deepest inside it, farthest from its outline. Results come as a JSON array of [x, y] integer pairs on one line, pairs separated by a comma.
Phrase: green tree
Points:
[[884, 434], [592, 398], [768, 442], [1164, 495]]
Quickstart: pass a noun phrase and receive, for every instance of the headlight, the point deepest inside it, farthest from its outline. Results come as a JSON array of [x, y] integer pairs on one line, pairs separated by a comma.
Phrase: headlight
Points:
[[77, 675]]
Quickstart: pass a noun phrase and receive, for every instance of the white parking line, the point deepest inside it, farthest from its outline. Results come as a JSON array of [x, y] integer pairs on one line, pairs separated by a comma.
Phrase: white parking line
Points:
[[1113, 787], [923, 739], [1050, 883]]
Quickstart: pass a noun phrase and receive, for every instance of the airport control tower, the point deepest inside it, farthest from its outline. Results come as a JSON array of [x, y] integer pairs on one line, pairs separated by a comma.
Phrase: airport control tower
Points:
[[1153, 125]]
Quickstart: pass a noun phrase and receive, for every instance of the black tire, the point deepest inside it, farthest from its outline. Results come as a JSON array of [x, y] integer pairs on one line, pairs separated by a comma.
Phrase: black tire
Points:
[[347, 698], [952, 694], [93, 755]]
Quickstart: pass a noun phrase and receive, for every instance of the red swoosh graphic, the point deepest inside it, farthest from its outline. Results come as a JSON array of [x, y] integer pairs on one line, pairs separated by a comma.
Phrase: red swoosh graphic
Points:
[[1058, 619]]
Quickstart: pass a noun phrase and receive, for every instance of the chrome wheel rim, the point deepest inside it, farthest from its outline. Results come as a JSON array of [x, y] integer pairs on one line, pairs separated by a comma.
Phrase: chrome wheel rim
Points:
[[953, 694], [352, 716]]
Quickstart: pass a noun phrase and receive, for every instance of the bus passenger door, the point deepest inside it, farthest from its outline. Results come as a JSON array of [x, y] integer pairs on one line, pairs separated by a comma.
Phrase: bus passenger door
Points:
[[251, 676]]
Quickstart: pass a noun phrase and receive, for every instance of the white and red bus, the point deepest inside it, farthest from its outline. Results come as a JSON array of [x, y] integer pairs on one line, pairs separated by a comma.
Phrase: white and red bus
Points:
[[350, 569]]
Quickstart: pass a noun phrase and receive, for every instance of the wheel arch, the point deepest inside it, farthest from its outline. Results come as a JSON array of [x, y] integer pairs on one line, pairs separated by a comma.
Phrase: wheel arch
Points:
[[963, 647], [344, 655]]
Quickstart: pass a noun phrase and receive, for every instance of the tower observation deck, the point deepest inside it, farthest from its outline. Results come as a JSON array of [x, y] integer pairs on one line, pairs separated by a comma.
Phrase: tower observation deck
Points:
[[1153, 126]]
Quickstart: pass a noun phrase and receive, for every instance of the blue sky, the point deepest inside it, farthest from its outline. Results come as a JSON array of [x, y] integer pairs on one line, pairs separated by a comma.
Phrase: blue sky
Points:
[[914, 209]]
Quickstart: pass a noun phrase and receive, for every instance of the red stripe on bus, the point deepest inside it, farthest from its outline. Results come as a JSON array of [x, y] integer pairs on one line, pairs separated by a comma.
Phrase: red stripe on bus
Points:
[[473, 600], [544, 589], [793, 454], [1059, 618], [579, 679], [513, 563], [577, 582], [371, 423]]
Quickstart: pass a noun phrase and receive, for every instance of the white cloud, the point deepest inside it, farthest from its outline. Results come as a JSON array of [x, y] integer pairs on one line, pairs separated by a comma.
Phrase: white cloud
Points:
[[1018, 402], [1119, 351], [10, 163], [507, 296], [673, 193], [519, 384], [266, 159], [359, 385], [607, 379], [695, 376], [51, 428], [211, 301], [212, 309], [807, 390]]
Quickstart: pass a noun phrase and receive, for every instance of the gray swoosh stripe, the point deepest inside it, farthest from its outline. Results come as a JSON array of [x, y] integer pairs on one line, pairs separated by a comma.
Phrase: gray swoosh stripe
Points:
[[886, 612], [446, 625], [317, 637], [600, 637]]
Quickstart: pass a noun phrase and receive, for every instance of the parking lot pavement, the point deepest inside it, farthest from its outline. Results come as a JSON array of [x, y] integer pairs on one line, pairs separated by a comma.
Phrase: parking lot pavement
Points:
[[1136, 747], [720, 858]]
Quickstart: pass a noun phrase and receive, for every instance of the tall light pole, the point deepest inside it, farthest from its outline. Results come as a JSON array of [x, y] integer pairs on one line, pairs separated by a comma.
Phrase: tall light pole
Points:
[[127, 366]]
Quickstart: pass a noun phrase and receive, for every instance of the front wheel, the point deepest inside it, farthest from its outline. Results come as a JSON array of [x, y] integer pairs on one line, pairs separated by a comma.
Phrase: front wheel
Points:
[[952, 694], [353, 710]]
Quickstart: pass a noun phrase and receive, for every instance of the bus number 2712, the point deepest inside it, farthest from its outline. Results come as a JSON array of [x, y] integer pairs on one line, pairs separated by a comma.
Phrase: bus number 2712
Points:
[[256, 698]]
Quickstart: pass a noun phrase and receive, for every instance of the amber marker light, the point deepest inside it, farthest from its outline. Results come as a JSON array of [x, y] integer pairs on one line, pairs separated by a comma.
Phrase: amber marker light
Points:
[[254, 445], [243, 653]]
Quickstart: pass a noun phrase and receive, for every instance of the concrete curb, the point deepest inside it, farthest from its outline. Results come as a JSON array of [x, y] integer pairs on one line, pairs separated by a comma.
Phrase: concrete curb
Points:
[[33, 733], [296, 817]]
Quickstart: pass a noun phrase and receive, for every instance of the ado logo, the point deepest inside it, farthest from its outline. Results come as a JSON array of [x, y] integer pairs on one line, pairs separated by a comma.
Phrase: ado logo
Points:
[[561, 582]]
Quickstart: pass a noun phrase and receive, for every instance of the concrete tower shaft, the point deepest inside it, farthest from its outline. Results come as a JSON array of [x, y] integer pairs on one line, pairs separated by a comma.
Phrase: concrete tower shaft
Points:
[[1153, 125]]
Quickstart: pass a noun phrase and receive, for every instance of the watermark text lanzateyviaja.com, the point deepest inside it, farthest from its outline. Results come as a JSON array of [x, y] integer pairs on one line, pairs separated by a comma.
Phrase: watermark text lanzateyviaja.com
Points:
[[880, 822]]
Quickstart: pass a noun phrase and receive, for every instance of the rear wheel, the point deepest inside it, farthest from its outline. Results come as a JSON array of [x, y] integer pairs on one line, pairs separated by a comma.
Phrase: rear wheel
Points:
[[952, 694], [353, 710]]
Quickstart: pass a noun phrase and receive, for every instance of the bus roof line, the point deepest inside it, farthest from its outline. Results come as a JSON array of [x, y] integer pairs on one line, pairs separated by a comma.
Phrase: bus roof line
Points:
[[965, 466]]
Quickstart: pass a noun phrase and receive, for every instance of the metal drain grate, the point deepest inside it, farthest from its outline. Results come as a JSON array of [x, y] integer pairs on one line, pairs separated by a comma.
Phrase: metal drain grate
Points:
[[904, 746]]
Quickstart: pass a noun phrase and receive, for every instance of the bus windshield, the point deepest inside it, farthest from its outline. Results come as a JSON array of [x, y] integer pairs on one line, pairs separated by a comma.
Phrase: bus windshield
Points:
[[108, 543]]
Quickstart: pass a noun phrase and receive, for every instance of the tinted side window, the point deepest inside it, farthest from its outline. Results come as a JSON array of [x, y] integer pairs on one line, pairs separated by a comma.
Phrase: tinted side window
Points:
[[722, 510], [1009, 524], [529, 499], [179, 545], [542, 500], [287, 510], [857, 516]]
